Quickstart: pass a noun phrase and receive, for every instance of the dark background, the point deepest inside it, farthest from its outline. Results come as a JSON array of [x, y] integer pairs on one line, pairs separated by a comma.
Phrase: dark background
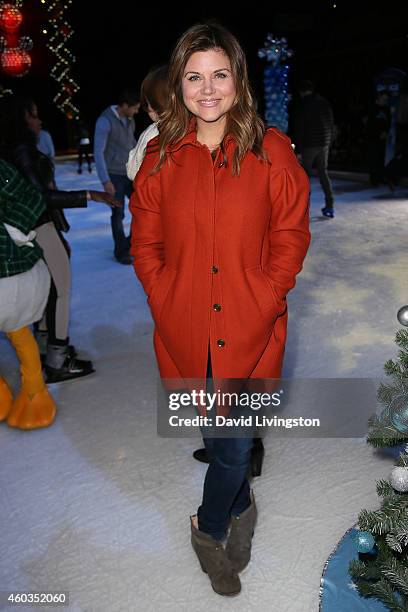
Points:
[[342, 49]]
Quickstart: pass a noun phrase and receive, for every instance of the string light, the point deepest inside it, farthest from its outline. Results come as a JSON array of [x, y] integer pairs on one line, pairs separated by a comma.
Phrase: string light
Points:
[[59, 33], [15, 60]]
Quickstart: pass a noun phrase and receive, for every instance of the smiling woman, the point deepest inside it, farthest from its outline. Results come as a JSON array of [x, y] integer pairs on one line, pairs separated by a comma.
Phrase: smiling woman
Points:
[[219, 232]]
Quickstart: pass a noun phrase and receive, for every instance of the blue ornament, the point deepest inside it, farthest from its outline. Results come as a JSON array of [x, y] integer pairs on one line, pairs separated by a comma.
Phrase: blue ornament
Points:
[[363, 541], [398, 413]]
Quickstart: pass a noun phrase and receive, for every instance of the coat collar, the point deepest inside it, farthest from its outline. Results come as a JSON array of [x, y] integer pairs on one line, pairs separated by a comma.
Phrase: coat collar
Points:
[[191, 138]]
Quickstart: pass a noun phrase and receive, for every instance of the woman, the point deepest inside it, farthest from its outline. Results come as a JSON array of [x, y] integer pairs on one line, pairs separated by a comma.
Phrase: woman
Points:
[[20, 126], [220, 230]]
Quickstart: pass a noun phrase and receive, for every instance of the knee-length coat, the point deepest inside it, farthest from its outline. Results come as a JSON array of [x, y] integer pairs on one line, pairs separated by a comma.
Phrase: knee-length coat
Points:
[[217, 254]]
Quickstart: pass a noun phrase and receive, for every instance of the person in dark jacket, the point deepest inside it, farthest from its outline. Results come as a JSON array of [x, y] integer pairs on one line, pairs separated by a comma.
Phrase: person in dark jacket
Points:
[[313, 134], [378, 125], [19, 128]]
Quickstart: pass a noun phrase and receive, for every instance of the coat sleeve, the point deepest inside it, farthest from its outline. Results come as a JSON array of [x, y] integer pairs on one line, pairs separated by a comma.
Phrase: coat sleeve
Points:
[[147, 246], [289, 235]]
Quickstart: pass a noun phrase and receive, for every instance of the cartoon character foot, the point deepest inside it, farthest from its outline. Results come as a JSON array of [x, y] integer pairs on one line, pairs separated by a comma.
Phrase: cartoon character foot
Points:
[[32, 412]]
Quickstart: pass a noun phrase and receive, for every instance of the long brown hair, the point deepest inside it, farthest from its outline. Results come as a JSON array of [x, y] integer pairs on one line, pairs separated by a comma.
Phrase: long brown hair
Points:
[[243, 122]]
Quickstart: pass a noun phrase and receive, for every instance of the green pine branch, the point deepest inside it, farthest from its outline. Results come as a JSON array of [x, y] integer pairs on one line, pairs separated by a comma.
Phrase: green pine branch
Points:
[[393, 542], [401, 339], [397, 575], [400, 533], [377, 441], [393, 370], [402, 460], [383, 591], [383, 521], [384, 489], [383, 434], [386, 393], [364, 571], [403, 359]]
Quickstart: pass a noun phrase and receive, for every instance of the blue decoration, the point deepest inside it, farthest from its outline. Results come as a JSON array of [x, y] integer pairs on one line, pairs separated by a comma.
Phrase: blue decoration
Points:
[[364, 541], [277, 54], [338, 593], [398, 412]]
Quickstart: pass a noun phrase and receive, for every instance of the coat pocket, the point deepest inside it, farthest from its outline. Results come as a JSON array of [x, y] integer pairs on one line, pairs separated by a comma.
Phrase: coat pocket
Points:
[[264, 293], [157, 297]]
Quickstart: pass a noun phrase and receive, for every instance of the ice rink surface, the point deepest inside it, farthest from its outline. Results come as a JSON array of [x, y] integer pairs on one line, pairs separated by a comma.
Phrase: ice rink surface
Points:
[[98, 505]]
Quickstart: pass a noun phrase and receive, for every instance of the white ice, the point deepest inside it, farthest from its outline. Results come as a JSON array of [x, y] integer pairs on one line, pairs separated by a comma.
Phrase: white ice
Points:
[[98, 505]]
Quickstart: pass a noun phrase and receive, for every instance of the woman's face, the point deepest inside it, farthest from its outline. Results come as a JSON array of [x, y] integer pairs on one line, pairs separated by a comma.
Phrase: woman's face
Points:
[[208, 85], [33, 120]]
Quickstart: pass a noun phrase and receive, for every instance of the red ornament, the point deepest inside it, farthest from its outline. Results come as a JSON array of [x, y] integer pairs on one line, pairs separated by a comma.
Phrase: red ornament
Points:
[[15, 62], [10, 18]]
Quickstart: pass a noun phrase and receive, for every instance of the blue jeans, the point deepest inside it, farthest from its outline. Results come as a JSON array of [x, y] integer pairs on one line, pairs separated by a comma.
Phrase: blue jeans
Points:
[[226, 488], [123, 188]]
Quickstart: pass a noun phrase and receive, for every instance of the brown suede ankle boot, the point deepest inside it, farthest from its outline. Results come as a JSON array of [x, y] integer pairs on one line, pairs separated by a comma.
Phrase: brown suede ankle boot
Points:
[[215, 563], [239, 542]]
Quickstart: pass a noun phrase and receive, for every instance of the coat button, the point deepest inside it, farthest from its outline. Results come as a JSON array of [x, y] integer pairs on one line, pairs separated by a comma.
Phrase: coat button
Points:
[[214, 270], [217, 307], [220, 342], [221, 164]]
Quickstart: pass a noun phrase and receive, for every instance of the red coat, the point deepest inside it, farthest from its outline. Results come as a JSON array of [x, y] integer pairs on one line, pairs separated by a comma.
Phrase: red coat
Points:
[[217, 254]]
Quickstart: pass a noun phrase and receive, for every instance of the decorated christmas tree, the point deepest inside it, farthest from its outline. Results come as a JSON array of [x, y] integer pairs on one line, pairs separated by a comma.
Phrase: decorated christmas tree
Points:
[[381, 571]]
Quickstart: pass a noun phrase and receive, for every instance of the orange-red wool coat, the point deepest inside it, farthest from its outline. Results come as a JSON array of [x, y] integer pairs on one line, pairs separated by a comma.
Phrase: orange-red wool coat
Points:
[[217, 254]]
